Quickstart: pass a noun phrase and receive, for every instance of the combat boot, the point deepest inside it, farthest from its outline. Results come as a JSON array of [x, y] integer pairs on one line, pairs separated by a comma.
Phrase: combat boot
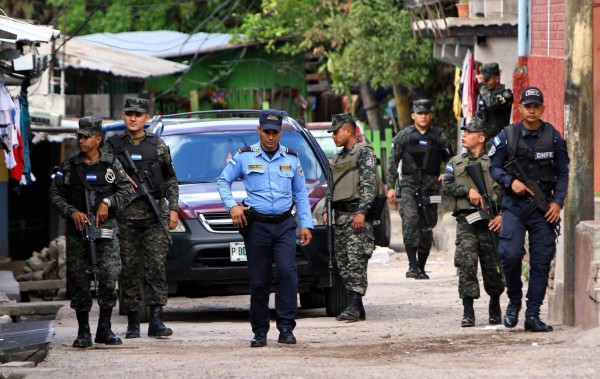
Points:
[[156, 328], [352, 312], [413, 271], [84, 336], [534, 324], [413, 268], [511, 318], [103, 333], [468, 313], [133, 325], [495, 311], [422, 260]]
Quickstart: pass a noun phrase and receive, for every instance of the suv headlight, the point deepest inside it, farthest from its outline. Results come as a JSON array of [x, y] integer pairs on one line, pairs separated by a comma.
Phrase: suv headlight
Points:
[[180, 228]]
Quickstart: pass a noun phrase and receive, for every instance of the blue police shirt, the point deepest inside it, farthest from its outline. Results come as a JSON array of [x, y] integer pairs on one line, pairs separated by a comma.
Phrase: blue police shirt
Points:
[[499, 155], [271, 184]]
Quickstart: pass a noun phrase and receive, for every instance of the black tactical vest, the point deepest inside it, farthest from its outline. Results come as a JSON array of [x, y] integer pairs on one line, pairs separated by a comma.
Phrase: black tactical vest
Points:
[[538, 162], [145, 158], [424, 150], [97, 176]]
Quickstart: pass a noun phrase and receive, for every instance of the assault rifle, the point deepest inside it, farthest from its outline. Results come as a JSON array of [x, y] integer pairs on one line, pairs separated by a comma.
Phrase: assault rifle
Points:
[[142, 190], [537, 201], [488, 211], [91, 233], [424, 201]]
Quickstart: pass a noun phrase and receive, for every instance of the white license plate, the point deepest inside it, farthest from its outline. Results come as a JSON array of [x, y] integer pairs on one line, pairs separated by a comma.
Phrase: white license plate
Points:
[[237, 252]]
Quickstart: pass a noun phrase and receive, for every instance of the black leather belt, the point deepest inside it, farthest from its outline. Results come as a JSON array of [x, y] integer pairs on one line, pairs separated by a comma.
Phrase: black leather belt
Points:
[[346, 206], [269, 219]]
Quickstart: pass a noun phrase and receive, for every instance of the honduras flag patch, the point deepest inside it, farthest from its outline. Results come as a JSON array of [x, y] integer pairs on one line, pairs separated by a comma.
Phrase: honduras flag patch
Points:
[[423, 143], [497, 140], [91, 177], [449, 167], [136, 157]]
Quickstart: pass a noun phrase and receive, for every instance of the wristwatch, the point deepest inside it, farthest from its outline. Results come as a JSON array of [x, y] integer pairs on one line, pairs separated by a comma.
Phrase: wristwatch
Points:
[[107, 201]]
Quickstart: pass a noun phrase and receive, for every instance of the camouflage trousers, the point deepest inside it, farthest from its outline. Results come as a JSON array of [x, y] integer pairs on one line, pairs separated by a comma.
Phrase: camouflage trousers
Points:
[[144, 248], [473, 243], [352, 251], [412, 225], [79, 264]]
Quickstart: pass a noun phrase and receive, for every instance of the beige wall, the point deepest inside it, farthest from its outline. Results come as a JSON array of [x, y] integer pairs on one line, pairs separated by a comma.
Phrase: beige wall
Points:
[[502, 50]]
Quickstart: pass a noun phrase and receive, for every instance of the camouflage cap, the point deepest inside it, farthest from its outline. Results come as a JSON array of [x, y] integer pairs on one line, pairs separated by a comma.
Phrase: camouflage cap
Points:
[[475, 125], [89, 126], [490, 69], [422, 106], [136, 105], [337, 120]]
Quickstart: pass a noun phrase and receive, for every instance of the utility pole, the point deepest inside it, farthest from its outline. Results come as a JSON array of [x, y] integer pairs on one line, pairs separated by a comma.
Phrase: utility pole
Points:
[[579, 132]]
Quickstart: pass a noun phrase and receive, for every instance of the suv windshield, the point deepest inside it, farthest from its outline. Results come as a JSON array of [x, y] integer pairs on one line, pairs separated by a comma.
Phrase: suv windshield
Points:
[[201, 157]]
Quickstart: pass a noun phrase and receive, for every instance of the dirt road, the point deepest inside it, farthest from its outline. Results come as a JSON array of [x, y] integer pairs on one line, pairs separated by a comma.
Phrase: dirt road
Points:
[[412, 330]]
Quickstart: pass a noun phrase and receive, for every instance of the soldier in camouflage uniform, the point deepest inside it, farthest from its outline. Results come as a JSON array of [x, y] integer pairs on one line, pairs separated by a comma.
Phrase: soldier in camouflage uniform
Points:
[[495, 101], [473, 241], [419, 147], [103, 175], [354, 177], [142, 238]]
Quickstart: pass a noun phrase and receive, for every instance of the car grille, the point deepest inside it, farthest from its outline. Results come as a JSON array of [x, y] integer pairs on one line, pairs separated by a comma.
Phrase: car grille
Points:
[[220, 258], [219, 222]]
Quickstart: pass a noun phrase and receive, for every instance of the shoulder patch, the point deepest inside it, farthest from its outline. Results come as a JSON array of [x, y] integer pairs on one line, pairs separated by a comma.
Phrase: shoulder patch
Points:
[[492, 151], [497, 141], [291, 151], [245, 149], [449, 167]]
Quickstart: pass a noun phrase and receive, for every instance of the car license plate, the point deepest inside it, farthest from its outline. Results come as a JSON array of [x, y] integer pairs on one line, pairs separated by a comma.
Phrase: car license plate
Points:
[[237, 252]]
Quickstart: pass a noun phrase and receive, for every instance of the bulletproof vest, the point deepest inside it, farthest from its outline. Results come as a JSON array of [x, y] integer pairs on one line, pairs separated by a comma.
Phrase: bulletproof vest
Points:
[[424, 150], [98, 176], [538, 162], [145, 158], [344, 170], [462, 177]]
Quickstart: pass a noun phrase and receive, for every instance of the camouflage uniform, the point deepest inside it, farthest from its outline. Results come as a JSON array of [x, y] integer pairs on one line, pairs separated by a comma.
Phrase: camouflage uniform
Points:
[[352, 249], [494, 105], [142, 238], [78, 256], [473, 241], [417, 240]]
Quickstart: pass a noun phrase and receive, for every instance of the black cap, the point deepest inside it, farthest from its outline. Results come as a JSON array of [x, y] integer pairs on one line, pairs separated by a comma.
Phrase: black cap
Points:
[[136, 105], [271, 119], [532, 95], [422, 106], [90, 125]]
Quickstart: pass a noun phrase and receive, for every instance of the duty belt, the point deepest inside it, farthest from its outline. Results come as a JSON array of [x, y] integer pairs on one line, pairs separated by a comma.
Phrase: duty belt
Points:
[[269, 219], [346, 206]]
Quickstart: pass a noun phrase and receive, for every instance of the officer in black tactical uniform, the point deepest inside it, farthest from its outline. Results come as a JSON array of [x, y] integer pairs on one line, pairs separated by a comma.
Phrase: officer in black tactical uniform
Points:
[[530, 151], [494, 103], [421, 148], [104, 178]]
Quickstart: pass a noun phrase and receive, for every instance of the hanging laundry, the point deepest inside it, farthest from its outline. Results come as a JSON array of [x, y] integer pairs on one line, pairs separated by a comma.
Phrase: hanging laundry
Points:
[[27, 136]]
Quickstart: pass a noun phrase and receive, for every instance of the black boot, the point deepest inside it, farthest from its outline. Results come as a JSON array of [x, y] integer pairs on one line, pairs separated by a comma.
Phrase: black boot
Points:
[[133, 325], [422, 260], [156, 328], [103, 333], [413, 268], [84, 336], [352, 312], [495, 311], [511, 318], [534, 324], [468, 313]]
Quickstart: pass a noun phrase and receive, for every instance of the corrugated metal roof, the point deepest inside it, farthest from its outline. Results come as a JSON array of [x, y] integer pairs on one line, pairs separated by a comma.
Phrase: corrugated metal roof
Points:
[[12, 30], [163, 43], [87, 55], [484, 25]]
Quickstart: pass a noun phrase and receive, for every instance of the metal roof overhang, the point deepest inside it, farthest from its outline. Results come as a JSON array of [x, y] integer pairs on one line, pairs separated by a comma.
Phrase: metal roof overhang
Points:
[[84, 55], [12, 30], [460, 27]]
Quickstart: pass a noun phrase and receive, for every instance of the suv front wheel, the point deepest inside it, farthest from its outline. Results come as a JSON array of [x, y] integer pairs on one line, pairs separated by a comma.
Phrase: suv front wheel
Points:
[[336, 298]]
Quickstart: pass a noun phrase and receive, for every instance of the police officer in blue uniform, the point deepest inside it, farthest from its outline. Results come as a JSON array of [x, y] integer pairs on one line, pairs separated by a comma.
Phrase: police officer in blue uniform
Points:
[[274, 183], [531, 150]]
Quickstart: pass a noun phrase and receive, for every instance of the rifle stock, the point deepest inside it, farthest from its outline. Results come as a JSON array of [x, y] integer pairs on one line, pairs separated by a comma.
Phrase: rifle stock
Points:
[[424, 201], [538, 200], [144, 192], [489, 210]]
